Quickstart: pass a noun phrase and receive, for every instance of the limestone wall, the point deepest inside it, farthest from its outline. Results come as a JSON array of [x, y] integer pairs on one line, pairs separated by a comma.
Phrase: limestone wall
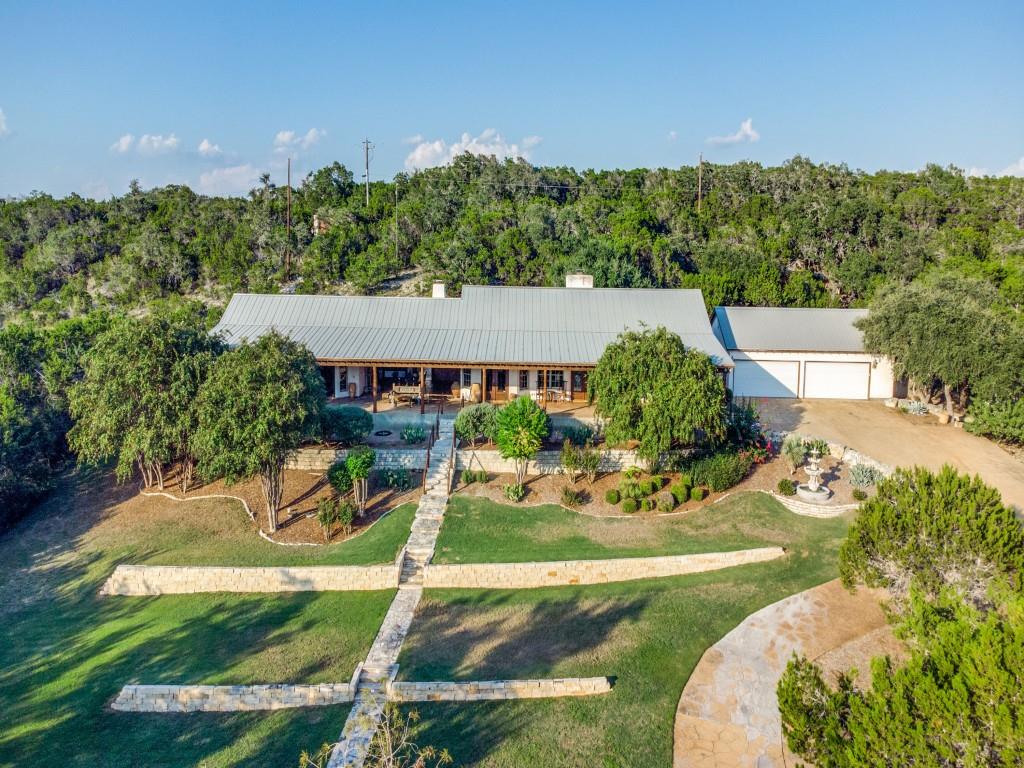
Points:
[[228, 698], [491, 690], [188, 579], [546, 462], [568, 572], [320, 459]]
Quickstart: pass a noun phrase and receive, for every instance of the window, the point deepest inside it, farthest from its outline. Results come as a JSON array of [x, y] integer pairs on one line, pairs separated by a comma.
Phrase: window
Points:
[[524, 379], [556, 379], [467, 377]]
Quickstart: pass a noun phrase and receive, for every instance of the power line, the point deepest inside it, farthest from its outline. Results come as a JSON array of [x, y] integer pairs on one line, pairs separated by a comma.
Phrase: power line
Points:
[[367, 148]]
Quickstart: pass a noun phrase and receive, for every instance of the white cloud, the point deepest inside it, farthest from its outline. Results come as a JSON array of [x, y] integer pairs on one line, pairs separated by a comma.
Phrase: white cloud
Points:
[[208, 149], [1014, 169], [289, 141], [672, 135], [234, 180], [414, 139], [744, 134], [427, 154], [975, 171], [157, 143], [123, 144], [4, 130]]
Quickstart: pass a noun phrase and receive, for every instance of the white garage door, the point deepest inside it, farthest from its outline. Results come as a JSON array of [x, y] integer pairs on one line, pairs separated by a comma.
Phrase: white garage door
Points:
[[845, 381], [766, 378]]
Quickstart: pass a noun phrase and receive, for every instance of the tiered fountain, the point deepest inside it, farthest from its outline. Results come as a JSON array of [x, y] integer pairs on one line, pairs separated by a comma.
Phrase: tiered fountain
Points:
[[813, 491]]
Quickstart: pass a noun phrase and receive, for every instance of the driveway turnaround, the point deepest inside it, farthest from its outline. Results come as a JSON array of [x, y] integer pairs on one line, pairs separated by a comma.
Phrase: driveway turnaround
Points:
[[728, 715], [898, 439]]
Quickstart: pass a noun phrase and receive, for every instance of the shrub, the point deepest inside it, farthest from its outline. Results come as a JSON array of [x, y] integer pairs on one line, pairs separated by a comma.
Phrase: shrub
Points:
[[339, 478], [519, 430], [821, 446], [327, 516], [720, 470], [346, 514], [786, 487], [571, 497], [481, 475], [611, 496], [590, 462], [414, 433], [686, 479], [475, 421], [646, 487], [646, 505], [864, 475], [933, 531], [697, 494], [467, 476], [514, 492], [630, 488], [666, 501], [680, 492], [915, 408], [794, 450], [859, 494], [632, 473], [570, 458], [578, 434], [629, 506], [1000, 421], [397, 478], [346, 425], [657, 481]]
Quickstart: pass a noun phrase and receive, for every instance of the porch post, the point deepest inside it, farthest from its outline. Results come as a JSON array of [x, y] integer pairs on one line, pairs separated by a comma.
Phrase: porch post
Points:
[[544, 388], [483, 385], [373, 388], [421, 389]]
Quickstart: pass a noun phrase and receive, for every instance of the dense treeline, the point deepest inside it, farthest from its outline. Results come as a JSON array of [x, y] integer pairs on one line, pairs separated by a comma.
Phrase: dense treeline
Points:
[[800, 234]]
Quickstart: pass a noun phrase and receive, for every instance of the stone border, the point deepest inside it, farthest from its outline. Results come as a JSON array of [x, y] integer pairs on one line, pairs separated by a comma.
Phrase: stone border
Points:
[[822, 511], [135, 580], [229, 698], [531, 575], [499, 690]]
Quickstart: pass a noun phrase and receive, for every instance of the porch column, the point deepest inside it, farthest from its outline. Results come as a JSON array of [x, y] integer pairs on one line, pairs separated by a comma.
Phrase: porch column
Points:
[[421, 389], [373, 387], [544, 388], [483, 385], [337, 381]]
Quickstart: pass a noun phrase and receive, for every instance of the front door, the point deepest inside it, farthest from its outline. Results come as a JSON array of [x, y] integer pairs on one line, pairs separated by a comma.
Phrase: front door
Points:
[[578, 384], [497, 385]]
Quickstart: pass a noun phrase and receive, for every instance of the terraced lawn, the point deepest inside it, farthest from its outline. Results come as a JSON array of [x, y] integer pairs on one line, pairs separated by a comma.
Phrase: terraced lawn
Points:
[[648, 635], [477, 530], [67, 652]]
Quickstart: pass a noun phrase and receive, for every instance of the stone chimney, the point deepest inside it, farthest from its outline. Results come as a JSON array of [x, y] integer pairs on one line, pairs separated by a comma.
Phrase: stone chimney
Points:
[[438, 291], [579, 280]]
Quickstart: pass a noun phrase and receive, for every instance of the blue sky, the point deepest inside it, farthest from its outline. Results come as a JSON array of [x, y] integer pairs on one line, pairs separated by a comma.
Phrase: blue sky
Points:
[[96, 94]]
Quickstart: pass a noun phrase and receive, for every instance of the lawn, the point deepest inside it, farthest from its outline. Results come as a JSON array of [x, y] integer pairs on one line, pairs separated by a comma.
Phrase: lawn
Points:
[[477, 530], [648, 635], [67, 652]]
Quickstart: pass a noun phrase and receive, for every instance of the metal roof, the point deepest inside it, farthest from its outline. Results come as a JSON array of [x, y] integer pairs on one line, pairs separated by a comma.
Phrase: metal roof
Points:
[[788, 329], [488, 324]]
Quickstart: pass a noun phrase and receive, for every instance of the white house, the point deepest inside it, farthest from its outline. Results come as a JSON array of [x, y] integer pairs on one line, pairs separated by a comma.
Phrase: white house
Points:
[[807, 353]]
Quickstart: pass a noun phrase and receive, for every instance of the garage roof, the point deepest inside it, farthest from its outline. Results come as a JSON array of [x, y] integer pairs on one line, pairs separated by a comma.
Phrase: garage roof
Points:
[[787, 329], [488, 324]]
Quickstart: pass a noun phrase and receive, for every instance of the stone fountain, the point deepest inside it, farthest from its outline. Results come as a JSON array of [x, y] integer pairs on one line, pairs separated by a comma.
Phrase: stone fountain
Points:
[[813, 491]]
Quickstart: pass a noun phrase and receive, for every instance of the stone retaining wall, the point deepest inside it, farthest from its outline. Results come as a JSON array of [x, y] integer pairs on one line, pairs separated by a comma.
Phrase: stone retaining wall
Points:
[[189, 579], [811, 510], [228, 698], [546, 462], [569, 572], [320, 459], [838, 451], [492, 690]]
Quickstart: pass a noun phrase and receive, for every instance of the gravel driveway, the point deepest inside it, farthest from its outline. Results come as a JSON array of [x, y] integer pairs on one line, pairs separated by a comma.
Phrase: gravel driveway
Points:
[[898, 439]]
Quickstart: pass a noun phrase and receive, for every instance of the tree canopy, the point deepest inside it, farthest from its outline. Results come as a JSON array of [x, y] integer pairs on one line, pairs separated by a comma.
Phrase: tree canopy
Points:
[[519, 430], [650, 388]]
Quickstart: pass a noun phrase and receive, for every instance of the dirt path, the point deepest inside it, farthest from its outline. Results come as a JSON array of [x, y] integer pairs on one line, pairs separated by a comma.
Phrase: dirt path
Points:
[[898, 439], [728, 714]]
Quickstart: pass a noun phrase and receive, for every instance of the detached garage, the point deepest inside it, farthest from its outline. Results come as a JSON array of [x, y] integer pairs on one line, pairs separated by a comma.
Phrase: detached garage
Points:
[[800, 353]]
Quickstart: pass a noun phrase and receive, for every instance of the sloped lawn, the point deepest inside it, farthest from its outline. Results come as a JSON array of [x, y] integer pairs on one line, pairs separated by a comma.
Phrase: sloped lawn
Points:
[[478, 530]]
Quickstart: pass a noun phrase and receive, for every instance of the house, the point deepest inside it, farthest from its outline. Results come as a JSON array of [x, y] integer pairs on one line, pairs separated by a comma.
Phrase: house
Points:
[[808, 353], [492, 343]]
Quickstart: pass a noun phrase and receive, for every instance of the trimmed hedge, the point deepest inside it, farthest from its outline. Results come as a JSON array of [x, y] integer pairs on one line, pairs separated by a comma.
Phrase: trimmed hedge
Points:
[[629, 506], [697, 494], [611, 496], [720, 470], [681, 492], [646, 505]]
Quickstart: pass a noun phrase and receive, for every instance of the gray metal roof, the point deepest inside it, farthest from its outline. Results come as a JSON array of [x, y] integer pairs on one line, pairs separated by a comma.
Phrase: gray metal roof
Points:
[[488, 324], [786, 329]]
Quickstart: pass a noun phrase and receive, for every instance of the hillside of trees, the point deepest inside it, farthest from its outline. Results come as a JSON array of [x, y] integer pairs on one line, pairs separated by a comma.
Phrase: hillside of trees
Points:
[[797, 235]]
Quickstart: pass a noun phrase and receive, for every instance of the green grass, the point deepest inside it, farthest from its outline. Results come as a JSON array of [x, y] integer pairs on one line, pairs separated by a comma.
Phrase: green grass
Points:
[[478, 530], [648, 635], [67, 652]]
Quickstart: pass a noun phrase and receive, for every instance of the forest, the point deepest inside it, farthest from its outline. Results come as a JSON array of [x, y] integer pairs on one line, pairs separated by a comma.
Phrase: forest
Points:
[[938, 255]]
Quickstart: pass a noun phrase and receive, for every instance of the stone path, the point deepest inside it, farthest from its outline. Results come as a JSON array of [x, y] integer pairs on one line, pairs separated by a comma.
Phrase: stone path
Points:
[[728, 714], [381, 664]]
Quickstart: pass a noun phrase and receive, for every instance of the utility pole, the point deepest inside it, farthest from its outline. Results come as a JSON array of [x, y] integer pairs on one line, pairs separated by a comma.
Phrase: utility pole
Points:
[[288, 225], [700, 179], [396, 220], [367, 148]]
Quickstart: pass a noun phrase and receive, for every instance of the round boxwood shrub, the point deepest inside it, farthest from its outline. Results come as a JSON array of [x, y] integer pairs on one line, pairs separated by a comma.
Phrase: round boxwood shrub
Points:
[[859, 494], [481, 475], [340, 478], [629, 506], [657, 481], [786, 487], [681, 492], [697, 494], [611, 496], [468, 476], [646, 487], [646, 505]]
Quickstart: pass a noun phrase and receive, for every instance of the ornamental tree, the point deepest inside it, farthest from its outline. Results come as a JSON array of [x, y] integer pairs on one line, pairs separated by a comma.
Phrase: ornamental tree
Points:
[[519, 429], [650, 388], [475, 421], [260, 402], [359, 462]]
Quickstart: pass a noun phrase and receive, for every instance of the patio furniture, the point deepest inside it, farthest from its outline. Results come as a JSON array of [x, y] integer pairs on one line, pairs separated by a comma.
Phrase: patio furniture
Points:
[[404, 393]]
